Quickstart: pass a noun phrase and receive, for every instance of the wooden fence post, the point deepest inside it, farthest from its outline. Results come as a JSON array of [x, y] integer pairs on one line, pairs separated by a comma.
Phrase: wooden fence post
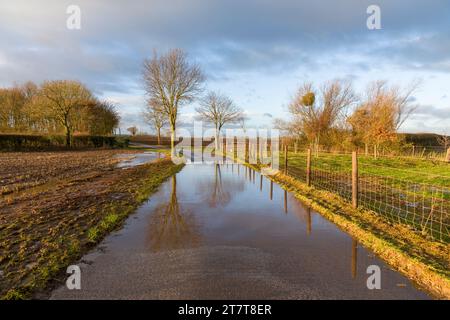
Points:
[[271, 156], [285, 159], [354, 179], [308, 168], [246, 153], [224, 149], [295, 147], [447, 157], [258, 157]]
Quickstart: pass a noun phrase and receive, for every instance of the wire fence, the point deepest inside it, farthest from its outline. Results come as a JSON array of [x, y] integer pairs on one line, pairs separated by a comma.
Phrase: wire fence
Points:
[[430, 152], [417, 197], [424, 207]]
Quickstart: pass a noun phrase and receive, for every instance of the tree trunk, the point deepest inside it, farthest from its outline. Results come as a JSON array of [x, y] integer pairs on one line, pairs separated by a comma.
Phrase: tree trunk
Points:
[[67, 135], [216, 140], [159, 136], [172, 140], [317, 146]]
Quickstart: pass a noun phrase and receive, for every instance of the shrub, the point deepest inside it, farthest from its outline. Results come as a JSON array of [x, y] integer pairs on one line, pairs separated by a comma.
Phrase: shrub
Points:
[[17, 142]]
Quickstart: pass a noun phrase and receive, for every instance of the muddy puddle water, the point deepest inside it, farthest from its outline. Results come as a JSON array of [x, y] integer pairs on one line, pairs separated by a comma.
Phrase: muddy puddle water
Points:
[[226, 232], [137, 159]]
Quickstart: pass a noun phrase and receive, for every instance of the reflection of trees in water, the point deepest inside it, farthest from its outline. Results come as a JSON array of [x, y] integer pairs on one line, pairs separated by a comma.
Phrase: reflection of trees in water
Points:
[[219, 195], [170, 228], [218, 191]]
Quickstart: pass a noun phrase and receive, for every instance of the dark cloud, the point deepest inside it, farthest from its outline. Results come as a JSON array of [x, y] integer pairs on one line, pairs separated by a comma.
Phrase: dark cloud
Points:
[[226, 37]]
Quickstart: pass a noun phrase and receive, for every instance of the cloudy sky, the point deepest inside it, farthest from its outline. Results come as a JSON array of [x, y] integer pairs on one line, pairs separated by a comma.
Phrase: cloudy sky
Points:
[[256, 51]]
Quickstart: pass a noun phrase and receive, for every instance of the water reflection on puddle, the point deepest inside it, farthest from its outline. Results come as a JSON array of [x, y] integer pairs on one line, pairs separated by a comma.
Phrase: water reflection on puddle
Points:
[[226, 232], [137, 159], [234, 206]]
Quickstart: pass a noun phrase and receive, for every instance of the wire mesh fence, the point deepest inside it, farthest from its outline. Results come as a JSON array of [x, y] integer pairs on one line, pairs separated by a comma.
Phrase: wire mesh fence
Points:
[[424, 207], [417, 197]]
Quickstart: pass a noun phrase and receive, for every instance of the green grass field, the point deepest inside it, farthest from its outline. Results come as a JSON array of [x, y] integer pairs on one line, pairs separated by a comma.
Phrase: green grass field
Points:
[[435, 173], [410, 191]]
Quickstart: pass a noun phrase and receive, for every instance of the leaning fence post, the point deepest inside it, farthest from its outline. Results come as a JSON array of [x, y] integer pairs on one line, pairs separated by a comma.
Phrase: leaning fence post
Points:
[[308, 168], [285, 159], [354, 179]]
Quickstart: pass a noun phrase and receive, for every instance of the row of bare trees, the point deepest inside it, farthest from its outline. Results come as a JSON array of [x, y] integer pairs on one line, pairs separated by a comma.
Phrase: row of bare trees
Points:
[[171, 81], [322, 116], [60, 106]]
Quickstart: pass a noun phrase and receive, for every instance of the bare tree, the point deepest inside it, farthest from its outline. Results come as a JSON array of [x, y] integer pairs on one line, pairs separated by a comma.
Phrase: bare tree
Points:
[[315, 112], [157, 119], [382, 112], [171, 81], [398, 99], [63, 98], [219, 110]]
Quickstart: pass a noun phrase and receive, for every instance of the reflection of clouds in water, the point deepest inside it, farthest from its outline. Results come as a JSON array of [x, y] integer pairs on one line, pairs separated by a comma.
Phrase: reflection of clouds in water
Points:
[[220, 190], [170, 228]]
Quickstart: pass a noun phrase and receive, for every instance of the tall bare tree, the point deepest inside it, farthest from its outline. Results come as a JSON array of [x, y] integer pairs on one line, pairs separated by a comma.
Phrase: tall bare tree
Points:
[[219, 110], [381, 113], [155, 117], [62, 99], [172, 81], [317, 111]]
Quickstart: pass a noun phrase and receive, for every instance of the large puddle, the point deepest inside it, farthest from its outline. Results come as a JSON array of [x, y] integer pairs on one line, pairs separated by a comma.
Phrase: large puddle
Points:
[[226, 232], [137, 159]]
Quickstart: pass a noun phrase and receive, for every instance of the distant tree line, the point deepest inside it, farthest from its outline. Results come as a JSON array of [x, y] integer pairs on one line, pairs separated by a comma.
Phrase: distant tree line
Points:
[[55, 107]]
